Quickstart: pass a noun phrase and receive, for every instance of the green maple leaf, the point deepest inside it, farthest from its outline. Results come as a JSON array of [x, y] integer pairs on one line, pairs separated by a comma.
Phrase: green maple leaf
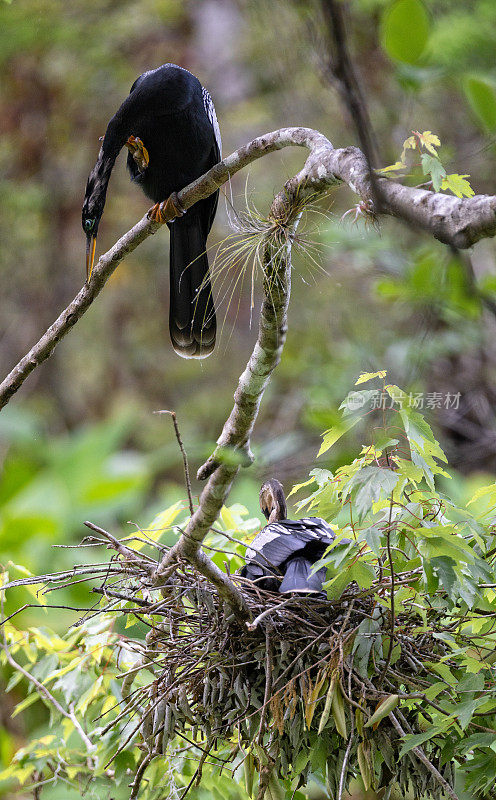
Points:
[[408, 144], [458, 185], [396, 167], [432, 166], [429, 141]]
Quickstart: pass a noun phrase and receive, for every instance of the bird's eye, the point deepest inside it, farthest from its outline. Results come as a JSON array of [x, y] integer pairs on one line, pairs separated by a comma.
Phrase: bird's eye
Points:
[[88, 224]]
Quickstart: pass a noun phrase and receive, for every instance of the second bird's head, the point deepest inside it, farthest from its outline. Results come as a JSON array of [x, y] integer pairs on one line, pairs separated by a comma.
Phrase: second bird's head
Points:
[[272, 500], [94, 203]]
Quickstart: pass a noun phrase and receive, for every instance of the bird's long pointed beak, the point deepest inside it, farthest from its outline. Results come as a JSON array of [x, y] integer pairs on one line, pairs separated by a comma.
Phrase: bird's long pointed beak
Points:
[[90, 256]]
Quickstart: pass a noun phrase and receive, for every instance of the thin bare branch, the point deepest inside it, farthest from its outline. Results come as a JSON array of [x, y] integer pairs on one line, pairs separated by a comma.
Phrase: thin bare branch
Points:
[[425, 761], [187, 480], [342, 72], [234, 442], [124, 551], [271, 609], [41, 688]]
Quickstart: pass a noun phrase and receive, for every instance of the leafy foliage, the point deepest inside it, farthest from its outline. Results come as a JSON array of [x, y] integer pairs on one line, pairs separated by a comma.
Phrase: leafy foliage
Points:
[[425, 144], [481, 95], [442, 558], [405, 30], [417, 661]]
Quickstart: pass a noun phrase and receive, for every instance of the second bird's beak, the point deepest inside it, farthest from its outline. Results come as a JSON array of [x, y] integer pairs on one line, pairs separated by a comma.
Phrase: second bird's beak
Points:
[[90, 255]]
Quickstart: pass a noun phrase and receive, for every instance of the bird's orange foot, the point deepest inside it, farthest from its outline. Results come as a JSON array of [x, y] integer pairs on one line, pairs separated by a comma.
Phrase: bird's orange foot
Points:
[[138, 152], [167, 210]]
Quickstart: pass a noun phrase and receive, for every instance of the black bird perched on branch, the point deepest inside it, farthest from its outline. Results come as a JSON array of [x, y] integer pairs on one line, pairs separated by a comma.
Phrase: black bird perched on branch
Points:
[[287, 549], [169, 125]]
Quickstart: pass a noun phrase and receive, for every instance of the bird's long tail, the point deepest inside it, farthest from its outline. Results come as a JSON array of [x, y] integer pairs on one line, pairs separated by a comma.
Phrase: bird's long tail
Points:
[[298, 577], [192, 321]]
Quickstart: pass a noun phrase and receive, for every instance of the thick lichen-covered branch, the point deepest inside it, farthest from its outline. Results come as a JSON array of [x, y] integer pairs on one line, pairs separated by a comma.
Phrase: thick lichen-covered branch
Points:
[[456, 222], [234, 442], [202, 187]]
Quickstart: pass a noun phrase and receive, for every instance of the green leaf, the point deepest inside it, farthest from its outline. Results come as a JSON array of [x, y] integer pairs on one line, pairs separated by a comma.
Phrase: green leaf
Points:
[[409, 470], [419, 738], [333, 434], [301, 761], [429, 141], [367, 376], [387, 705], [73, 684], [365, 765], [373, 538], [458, 185], [28, 701], [161, 523], [484, 491], [227, 518], [443, 671], [447, 576], [405, 30], [34, 591], [355, 401], [409, 144], [373, 482], [89, 696], [363, 574], [336, 586], [465, 710], [432, 692], [14, 679], [318, 756], [433, 167], [396, 167], [481, 95], [296, 488]]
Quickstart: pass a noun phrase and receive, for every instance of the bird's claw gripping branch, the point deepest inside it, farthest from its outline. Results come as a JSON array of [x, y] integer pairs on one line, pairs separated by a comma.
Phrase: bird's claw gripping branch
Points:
[[166, 211]]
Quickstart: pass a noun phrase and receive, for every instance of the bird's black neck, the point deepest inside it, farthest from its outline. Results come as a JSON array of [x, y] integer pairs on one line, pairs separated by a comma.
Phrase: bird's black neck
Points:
[[98, 179], [114, 140], [103, 167]]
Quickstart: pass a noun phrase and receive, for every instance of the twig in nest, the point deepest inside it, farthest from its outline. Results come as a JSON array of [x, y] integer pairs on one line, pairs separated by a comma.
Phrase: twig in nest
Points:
[[423, 758], [183, 453], [121, 596], [342, 776], [135, 785], [268, 682], [252, 625], [127, 552], [392, 577]]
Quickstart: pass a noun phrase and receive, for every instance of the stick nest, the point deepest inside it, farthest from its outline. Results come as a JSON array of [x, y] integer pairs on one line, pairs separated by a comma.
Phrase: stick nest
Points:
[[289, 694]]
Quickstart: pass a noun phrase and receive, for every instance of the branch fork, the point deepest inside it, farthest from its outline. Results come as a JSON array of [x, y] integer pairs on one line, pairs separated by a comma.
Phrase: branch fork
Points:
[[459, 223]]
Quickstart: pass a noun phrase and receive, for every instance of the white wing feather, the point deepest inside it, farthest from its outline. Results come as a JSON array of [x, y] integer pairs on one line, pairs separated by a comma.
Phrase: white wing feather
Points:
[[210, 110]]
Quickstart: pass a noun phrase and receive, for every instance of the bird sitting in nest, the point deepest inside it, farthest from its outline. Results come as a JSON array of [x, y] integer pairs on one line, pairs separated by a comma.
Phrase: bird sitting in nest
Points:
[[282, 555], [169, 125]]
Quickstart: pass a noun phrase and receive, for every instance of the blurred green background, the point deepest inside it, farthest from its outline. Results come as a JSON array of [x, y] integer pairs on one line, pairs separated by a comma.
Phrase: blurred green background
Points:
[[80, 440]]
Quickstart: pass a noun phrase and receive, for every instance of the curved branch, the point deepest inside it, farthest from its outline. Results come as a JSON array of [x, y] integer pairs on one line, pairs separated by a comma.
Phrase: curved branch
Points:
[[459, 223], [222, 467], [197, 190]]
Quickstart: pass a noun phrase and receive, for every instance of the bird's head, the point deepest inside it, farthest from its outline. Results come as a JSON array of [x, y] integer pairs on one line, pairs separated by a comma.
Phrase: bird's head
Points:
[[94, 202], [273, 501]]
